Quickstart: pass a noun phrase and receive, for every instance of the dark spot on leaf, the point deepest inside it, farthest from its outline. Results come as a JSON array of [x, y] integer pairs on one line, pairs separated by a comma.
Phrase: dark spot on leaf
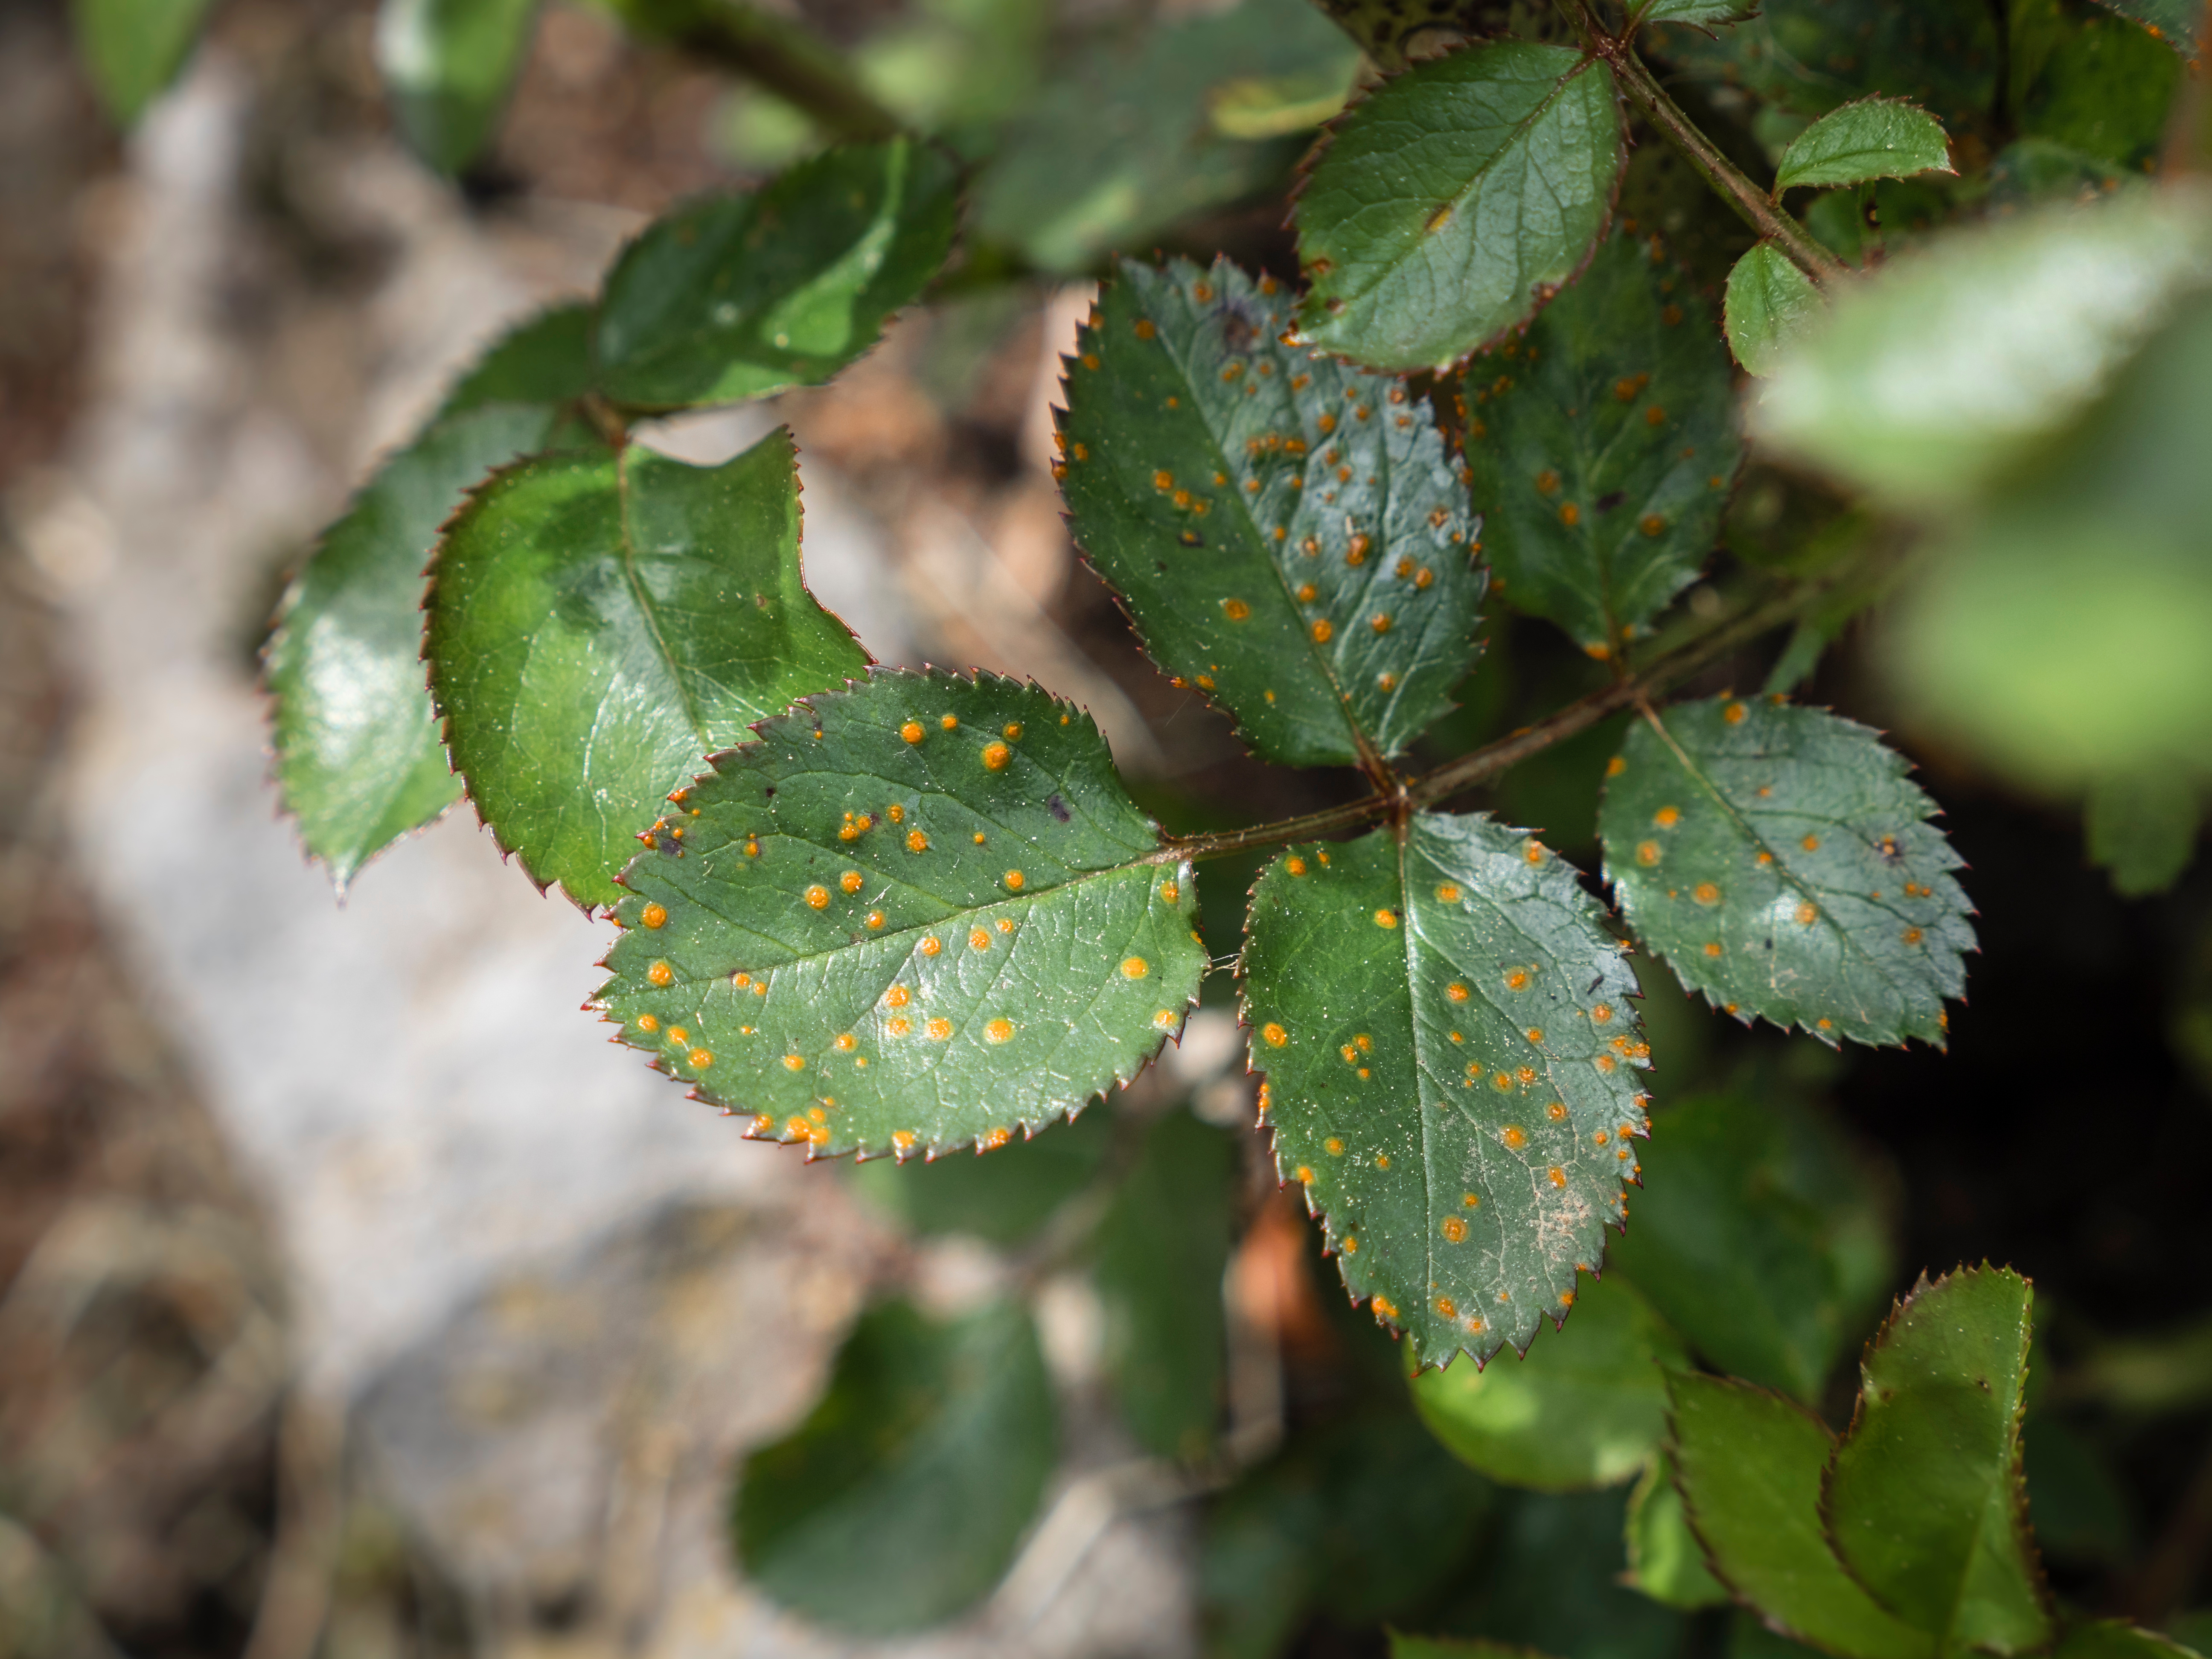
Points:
[[1610, 499], [771, 789], [1057, 807]]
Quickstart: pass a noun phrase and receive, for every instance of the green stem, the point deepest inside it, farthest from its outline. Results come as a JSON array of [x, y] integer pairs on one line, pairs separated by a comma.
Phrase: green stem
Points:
[[775, 54], [1724, 636], [1642, 89]]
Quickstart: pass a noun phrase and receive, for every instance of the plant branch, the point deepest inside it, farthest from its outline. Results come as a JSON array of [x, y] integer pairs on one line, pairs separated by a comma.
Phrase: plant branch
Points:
[[1642, 89], [1699, 653], [775, 54]]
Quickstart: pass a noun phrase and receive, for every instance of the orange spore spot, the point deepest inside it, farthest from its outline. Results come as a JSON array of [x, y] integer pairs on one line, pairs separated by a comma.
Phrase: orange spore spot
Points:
[[1015, 879], [818, 898], [996, 755], [938, 1029], [1706, 893], [1517, 979], [931, 945], [1322, 631], [1647, 852], [1305, 1174], [844, 1043], [794, 1063], [875, 918], [1712, 947], [1134, 968], [1668, 817], [1808, 913], [850, 881], [1297, 866], [1570, 515], [647, 1023], [1615, 767], [1170, 893], [916, 842], [660, 974], [897, 997], [979, 939], [1145, 328], [899, 1027], [1732, 713], [1514, 1136], [654, 916], [1911, 936], [1333, 1147], [913, 733], [1275, 1036], [701, 1058], [1000, 1030], [903, 1139]]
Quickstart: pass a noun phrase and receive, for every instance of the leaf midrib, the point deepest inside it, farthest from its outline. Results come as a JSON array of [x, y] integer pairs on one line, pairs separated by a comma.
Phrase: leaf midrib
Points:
[[627, 545]]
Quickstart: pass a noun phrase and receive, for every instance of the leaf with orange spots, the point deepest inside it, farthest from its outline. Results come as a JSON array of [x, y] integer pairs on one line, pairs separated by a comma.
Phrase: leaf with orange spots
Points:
[[1451, 200], [900, 1500], [2177, 22], [1604, 447], [738, 296], [1454, 1070], [1782, 862], [598, 623], [1015, 943], [1584, 1407], [359, 756], [1288, 535]]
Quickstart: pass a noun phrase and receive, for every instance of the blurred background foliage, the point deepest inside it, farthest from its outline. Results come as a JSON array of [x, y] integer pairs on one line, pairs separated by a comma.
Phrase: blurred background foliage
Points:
[[2033, 619]]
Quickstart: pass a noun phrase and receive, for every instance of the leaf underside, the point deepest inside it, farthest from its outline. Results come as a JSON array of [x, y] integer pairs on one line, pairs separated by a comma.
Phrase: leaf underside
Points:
[[1453, 198], [1453, 1071], [1749, 1464], [1603, 448], [1781, 861], [1768, 304], [1924, 1498], [913, 916], [1873, 138], [1289, 536], [738, 296], [599, 623]]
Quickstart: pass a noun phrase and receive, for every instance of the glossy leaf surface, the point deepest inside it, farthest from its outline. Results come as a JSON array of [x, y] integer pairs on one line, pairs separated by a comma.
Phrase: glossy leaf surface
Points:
[[1929, 379], [1453, 1071], [1665, 1561], [911, 917], [1749, 1464], [448, 65], [1760, 1237], [599, 623], [1603, 446], [1162, 1250], [1769, 305], [1584, 1406], [900, 1500], [1452, 199], [1924, 1499], [1781, 861], [1288, 535], [1873, 138], [737, 296], [359, 755], [134, 48]]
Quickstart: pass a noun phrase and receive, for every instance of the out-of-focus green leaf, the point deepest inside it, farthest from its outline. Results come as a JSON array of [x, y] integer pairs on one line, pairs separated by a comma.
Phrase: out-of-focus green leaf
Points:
[[360, 758], [448, 65], [1665, 1561], [2097, 84], [949, 65], [1290, 537], [1454, 1070], [899, 1501], [1873, 138], [1454, 199], [1924, 1500], [738, 296], [1748, 1465], [1769, 305], [1449, 1647], [2080, 1512], [2142, 826], [1603, 446], [1360, 1521], [1553, 1578], [134, 48], [1004, 1199], [1748, 1637], [1760, 1237], [1162, 1250], [1584, 1406], [2177, 22], [1782, 862], [1698, 13], [1130, 139], [599, 623], [912, 916], [1932, 378], [2116, 1638]]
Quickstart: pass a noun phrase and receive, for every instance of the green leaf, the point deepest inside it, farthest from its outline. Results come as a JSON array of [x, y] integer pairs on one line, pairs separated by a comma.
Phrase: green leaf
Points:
[[1760, 1237], [1603, 446], [360, 759], [1873, 138], [2082, 1515], [1005, 1199], [1447, 1647], [1162, 1250], [899, 1501], [2143, 827], [1697, 13], [1781, 863], [738, 296], [1769, 305], [1950, 366], [2092, 83], [1749, 1464], [1453, 200], [1553, 1577], [910, 917], [1453, 1071], [2116, 1638], [1924, 1499], [1665, 1561], [2177, 22], [1289, 536], [449, 64], [598, 623], [1142, 129], [1584, 1406], [134, 48]]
